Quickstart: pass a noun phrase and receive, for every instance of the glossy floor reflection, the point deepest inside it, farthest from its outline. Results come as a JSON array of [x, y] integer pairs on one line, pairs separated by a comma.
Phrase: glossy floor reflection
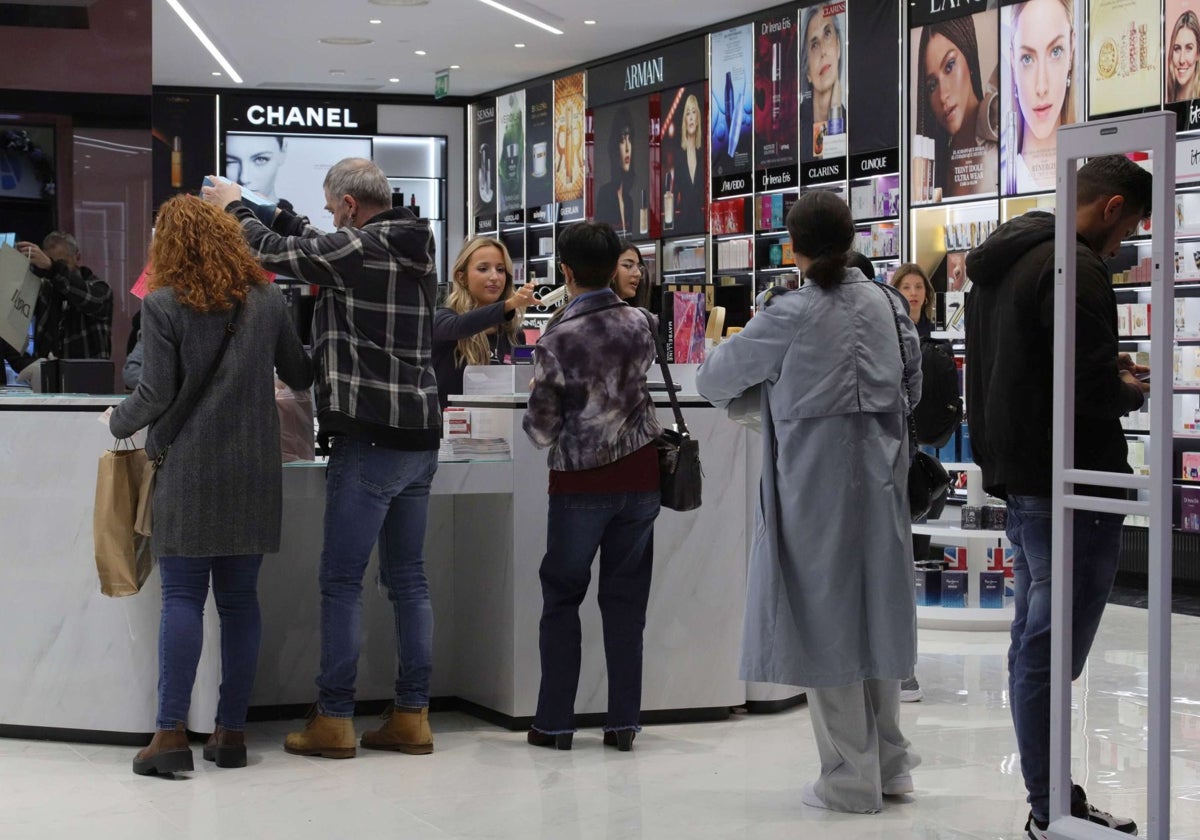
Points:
[[735, 779]]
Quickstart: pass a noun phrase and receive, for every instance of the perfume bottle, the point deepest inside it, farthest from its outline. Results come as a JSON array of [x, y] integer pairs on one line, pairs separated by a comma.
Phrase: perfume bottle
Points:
[[176, 163], [669, 195], [776, 77], [643, 215], [728, 103], [836, 124], [412, 205]]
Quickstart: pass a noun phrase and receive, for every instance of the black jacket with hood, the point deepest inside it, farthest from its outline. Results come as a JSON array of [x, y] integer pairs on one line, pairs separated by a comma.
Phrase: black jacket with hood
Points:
[[1010, 374]]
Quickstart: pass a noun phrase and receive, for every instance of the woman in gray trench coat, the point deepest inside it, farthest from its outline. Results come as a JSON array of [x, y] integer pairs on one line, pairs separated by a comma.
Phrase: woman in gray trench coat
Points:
[[830, 595]]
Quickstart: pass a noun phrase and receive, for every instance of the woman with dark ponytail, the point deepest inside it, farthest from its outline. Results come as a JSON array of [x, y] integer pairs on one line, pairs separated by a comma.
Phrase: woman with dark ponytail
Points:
[[829, 596]]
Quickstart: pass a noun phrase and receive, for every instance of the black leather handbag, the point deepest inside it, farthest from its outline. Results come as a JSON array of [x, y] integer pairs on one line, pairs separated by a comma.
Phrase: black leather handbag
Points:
[[927, 478], [679, 473]]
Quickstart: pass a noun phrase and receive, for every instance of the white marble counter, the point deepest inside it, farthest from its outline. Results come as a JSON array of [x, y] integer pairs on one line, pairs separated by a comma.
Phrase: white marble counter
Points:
[[21, 398], [76, 660]]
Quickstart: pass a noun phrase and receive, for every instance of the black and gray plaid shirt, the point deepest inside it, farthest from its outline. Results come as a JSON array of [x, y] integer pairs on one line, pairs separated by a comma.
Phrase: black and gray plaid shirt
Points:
[[72, 317], [372, 324]]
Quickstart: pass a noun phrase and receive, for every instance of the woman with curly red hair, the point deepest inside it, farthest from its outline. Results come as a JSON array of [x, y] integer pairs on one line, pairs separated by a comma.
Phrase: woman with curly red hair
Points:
[[218, 496]]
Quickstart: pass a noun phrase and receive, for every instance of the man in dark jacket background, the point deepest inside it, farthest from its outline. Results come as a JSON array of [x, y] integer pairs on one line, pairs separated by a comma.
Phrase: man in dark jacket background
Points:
[[1010, 404], [377, 399]]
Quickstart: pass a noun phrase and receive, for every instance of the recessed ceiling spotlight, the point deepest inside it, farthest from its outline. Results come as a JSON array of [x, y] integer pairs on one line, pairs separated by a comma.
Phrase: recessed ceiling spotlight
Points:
[[393, 81], [216, 72], [419, 52], [589, 23], [455, 66], [337, 72], [399, 2], [519, 46], [342, 41], [375, 21]]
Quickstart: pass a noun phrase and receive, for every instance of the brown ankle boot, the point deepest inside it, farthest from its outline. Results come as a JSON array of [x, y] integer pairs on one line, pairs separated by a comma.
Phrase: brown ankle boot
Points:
[[403, 731], [167, 752], [328, 737], [226, 747]]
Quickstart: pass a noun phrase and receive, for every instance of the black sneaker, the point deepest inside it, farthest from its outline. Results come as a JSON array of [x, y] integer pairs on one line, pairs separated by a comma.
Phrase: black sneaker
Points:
[[1085, 811], [1035, 830]]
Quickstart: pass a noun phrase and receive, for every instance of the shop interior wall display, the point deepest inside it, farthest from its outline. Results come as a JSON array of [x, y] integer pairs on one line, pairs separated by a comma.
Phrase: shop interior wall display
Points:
[[539, 154], [823, 89], [483, 165], [1124, 51], [731, 68], [776, 92], [570, 162], [875, 89], [684, 163], [510, 161]]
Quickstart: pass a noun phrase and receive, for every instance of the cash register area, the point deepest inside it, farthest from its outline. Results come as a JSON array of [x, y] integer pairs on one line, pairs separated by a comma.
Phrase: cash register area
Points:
[[736, 778]]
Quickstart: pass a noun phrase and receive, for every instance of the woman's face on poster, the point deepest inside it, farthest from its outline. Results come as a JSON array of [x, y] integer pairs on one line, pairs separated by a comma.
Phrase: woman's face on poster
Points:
[[625, 148], [691, 118], [1042, 53], [1183, 56], [948, 83], [824, 52], [254, 162]]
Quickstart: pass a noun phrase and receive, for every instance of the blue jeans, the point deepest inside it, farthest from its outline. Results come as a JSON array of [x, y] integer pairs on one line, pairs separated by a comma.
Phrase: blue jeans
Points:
[[1097, 545], [621, 527], [374, 493], [181, 634]]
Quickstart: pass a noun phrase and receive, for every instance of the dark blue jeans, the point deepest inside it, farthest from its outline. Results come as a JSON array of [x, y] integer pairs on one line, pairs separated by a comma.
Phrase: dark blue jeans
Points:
[[621, 527], [375, 493], [1097, 545], [181, 634]]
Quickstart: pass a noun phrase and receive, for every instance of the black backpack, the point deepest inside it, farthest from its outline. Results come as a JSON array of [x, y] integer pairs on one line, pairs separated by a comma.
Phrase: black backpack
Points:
[[939, 413]]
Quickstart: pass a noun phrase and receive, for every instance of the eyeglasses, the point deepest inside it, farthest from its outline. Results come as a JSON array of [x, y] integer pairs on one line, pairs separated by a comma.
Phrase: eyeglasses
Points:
[[631, 266]]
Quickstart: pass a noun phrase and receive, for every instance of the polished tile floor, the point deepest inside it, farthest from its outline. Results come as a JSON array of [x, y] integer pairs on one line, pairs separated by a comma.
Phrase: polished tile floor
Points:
[[735, 779]]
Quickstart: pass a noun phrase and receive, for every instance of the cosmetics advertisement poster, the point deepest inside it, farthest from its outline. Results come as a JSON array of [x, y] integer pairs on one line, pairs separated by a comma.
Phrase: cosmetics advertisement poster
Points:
[[1181, 83], [955, 108], [510, 127], [483, 164], [183, 129], [823, 116], [731, 63], [290, 166], [874, 89], [775, 90], [569, 168], [1124, 51], [1041, 70], [683, 160], [539, 153], [621, 160]]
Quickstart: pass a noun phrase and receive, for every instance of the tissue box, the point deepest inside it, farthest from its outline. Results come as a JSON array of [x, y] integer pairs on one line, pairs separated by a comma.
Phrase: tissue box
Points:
[[954, 589]]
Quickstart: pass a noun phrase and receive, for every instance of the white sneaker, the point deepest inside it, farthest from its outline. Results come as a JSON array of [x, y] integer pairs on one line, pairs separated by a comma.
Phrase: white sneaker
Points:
[[910, 691], [1035, 831], [1084, 810], [898, 785]]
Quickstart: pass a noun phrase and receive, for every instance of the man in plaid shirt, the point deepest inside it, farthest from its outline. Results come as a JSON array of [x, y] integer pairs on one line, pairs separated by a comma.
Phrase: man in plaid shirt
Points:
[[73, 315], [377, 401]]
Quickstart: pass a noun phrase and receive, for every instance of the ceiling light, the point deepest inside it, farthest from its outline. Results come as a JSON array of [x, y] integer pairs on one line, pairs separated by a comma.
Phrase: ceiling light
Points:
[[522, 16], [375, 21], [399, 2], [589, 23], [204, 39], [393, 81], [519, 46], [419, 52], [216, 72], [343, 41], [455, 66], [337, 72]]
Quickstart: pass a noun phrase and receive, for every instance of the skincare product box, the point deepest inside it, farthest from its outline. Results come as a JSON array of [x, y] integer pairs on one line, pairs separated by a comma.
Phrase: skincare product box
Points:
[[995, 517], [928, 583], [1189, 509], [991, 590], [1191, 466], [954, 589], [456, 422]]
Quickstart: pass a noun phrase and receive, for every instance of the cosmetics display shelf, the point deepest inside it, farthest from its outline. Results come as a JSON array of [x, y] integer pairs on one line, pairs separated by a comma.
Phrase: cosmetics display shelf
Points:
[[943, 530], [964, 618]]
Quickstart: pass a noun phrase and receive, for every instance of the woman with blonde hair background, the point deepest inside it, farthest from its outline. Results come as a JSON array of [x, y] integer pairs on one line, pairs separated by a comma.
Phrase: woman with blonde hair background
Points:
[[1042, 61], [218, 496], [481, 319], [1182, 81], [691, 185]]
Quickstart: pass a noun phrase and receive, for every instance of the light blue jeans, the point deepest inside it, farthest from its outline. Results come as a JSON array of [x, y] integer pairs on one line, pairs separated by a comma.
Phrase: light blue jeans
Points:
[[374, 493], [1097, 545]]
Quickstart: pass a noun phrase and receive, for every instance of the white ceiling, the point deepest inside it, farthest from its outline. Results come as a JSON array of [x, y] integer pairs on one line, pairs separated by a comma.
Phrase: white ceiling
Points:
[[274, 43]]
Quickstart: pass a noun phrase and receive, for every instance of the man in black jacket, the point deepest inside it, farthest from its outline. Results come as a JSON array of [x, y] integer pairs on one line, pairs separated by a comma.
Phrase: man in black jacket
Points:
[[1010, 404]]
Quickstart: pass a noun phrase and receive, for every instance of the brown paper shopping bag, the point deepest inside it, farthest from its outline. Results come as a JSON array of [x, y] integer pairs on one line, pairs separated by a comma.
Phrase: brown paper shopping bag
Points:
[[123, 558]]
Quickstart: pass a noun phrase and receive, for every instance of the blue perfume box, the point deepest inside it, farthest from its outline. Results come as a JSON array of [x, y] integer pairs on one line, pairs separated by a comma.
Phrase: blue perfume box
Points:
[[954, 589]]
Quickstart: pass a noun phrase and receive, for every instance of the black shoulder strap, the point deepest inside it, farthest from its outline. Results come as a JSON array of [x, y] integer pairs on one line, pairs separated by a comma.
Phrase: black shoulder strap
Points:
[[912, 426], [680, 426]]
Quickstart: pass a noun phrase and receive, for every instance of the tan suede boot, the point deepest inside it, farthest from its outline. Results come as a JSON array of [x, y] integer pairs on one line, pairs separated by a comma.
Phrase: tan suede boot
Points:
[[403, 731], [167, 752], [328, 737]]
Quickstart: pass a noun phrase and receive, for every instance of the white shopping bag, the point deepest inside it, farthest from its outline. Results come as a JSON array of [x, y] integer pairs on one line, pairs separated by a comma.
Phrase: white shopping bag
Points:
[[18, 295]]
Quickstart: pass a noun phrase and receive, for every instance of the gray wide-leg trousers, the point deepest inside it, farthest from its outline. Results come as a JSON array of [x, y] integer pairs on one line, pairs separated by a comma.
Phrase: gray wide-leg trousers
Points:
[[857, 728]]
